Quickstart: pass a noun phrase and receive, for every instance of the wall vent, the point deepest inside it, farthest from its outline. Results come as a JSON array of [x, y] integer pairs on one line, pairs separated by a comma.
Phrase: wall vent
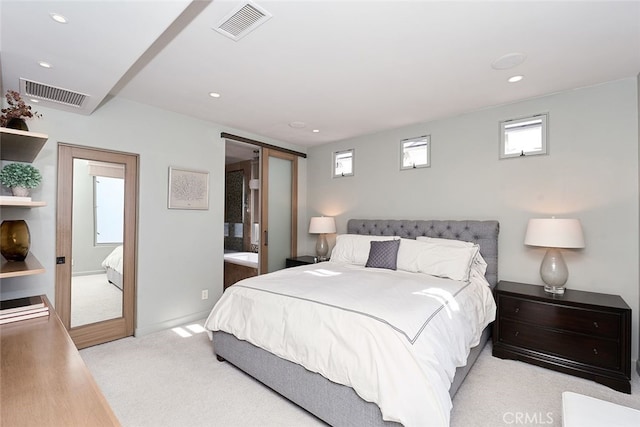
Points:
[[242, 20], [52, 93]]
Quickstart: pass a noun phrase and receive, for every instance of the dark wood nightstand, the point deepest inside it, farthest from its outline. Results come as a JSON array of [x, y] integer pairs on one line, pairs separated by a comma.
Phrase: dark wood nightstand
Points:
[[585, 334], [301, 260]]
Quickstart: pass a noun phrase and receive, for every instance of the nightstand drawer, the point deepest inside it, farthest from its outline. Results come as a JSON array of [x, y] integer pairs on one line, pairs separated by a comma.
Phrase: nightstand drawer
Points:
[[594, 351], [572, 319]]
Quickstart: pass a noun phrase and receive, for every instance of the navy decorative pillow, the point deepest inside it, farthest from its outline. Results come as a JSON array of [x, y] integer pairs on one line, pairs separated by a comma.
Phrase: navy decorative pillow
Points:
[[383, 254]]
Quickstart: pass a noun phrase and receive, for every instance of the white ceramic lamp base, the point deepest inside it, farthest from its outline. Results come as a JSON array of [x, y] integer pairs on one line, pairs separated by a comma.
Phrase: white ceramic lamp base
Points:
[[554, 272], [322, 247]]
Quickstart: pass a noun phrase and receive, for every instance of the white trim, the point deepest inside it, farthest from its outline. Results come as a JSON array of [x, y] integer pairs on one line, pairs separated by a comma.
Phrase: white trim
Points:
[[178, 321]]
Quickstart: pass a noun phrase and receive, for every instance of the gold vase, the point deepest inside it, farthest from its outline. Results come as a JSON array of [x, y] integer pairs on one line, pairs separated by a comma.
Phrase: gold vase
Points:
[[15, 240]]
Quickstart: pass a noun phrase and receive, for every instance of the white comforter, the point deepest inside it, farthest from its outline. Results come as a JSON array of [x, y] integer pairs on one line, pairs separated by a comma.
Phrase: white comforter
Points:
[[395, 337], [114, 260]]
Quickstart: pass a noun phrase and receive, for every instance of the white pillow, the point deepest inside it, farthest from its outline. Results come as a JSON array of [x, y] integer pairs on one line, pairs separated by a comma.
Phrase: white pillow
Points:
[[408, 255], [446, 261], [354, 248], [479, 264]]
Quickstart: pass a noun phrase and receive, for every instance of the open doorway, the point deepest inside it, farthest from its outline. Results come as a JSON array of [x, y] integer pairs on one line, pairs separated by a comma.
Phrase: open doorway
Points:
[[241, 211]]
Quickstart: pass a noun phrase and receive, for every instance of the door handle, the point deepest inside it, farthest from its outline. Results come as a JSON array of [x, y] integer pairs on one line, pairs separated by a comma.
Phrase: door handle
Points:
[[266, 237]]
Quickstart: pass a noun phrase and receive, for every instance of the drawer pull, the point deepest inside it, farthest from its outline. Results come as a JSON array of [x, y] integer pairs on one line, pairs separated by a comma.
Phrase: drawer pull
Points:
[[595, 351], [517, 309], [596, 324], [516, 333]]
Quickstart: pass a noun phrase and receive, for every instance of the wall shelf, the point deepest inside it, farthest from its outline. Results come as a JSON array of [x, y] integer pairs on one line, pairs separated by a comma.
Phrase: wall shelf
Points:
[[19, 145], [29, 266], [17, 204]]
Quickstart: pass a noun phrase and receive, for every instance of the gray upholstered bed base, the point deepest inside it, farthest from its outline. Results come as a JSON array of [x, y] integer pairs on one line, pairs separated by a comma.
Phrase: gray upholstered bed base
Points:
[[334, 403]]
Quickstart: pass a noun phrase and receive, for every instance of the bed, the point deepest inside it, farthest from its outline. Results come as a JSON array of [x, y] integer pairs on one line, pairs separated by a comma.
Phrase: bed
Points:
[[113, 267], [310, 382]]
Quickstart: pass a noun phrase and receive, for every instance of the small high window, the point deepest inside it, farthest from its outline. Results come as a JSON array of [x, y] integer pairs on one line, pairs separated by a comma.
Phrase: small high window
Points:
[[415, 152], [343, 163], [523, 137]]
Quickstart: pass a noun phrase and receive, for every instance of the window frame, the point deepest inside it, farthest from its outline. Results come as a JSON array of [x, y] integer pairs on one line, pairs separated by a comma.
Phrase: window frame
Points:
[[335, 155], [415, 139], [544, 149]]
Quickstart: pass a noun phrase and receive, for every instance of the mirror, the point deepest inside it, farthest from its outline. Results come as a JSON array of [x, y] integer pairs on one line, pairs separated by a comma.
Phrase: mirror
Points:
[[97, 241]]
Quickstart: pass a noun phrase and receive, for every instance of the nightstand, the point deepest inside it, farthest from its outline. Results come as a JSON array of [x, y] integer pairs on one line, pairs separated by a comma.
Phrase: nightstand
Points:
[[301, 260], [585, 334]]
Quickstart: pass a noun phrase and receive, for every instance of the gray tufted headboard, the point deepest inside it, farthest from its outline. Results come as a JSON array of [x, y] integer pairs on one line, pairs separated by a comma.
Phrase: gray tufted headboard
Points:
[[484, 233]]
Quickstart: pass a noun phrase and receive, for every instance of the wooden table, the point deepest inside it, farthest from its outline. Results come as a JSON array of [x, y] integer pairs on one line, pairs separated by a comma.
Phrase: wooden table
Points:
[[44, 381]]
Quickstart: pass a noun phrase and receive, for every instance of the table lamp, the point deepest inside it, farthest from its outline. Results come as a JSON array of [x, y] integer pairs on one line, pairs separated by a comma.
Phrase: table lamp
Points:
[[321, 225], [554, 234]]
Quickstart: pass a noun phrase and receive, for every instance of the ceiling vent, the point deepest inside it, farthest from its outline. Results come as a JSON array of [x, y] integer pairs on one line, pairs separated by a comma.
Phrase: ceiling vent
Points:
[[52, 93], [242, 20]]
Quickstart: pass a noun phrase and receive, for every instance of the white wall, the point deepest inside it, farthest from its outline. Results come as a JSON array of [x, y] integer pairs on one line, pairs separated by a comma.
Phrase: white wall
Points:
[[591, 173], [179, 251]]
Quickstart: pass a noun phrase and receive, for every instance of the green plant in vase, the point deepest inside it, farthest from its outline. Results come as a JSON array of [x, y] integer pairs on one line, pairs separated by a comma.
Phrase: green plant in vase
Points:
[[20, 178]]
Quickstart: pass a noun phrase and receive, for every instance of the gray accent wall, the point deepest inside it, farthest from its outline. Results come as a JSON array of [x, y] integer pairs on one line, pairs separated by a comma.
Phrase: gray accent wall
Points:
[[590, 173], [180, 252]]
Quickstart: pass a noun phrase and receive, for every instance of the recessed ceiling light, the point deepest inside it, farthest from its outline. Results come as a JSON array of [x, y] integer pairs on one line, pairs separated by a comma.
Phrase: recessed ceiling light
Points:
[[214, 94], [508, 61], [34, 100], [44, 64], [58, 18], [316, 131], [297, 125], [515, 79]]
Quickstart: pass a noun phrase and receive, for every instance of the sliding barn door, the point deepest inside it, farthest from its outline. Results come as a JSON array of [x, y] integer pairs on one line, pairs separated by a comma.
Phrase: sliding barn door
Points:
[[279, 220]]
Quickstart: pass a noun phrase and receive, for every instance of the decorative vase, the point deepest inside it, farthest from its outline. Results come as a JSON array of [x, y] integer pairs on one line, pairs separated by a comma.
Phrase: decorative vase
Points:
[[15, 240], [17, 123], [20, 191]]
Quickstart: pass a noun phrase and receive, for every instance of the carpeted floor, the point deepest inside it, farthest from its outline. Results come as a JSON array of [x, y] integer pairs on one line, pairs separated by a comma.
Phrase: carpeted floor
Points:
[[94, 299], [172, 378]]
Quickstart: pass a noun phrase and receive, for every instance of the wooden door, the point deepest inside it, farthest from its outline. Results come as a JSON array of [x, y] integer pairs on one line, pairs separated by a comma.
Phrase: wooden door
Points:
[[119, 323], [279, 212]]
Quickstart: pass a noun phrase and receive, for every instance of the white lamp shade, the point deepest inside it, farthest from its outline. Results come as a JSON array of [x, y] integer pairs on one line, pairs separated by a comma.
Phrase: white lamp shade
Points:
[[554, 233], [322, 224]]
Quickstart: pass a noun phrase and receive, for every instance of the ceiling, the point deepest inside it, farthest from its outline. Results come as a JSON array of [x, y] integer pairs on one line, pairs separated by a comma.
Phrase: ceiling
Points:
[[344, 68]]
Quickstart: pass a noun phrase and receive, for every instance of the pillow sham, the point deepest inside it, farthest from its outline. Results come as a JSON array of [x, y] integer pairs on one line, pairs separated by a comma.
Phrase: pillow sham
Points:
[[383, 254], [442, 260], [354, 248], [447, 261], [479, 264], [446, 242]]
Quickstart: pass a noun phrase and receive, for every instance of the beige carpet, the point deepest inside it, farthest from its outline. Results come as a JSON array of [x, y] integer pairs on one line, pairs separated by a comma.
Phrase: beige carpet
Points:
[[94, 299], [165, 379]]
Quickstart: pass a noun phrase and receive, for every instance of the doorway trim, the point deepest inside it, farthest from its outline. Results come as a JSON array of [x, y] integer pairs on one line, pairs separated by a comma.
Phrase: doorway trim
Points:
[[107, 330]]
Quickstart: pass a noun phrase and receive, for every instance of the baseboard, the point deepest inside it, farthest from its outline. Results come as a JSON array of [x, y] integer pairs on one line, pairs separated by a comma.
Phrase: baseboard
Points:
[[157, 327], [87, 273]]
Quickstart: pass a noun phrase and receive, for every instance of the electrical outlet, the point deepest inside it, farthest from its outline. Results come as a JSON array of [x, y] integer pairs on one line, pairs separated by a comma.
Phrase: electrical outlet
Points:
[[205, 294]]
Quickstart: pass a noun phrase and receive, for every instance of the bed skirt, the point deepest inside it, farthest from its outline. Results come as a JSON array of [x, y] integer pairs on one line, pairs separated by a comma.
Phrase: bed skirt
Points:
[[333, 403]]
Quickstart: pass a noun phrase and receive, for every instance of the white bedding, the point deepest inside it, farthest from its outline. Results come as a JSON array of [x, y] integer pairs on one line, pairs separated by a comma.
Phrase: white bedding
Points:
[[114, 260], [395, 337]]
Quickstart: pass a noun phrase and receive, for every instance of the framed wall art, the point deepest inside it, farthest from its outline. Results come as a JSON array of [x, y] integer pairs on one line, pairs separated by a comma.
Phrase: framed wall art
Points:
[[188, 189]]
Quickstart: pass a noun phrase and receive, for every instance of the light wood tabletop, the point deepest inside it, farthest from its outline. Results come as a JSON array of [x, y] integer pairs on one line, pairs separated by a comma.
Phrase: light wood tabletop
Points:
[[44, 381]]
